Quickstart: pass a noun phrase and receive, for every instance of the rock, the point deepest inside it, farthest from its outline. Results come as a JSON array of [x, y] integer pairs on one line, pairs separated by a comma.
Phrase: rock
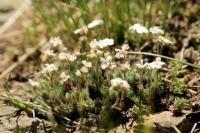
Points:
[[10, 122], [6, 110], [165, 122], [163, 118], [3, 130]]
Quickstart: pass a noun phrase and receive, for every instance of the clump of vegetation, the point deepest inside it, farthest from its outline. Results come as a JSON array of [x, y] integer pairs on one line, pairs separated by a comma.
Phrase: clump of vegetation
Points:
[[102, 81]]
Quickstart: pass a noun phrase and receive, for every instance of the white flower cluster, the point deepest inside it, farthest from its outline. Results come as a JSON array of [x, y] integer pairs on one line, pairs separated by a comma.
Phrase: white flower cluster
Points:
[[81, 30], [91, 25], [122, 52], [156, 30], [95, 53], [101, 43], [107, 62], [126, 66], [141, 65], [34, 83], [64, 77], [87, 64], [119, 83], [140, 29], [62, 56], [157, 64], [85, 67], [78, 73], [66, 56], [49, 68], [95, 23], [98, 46], [55, 41], [49, 53]]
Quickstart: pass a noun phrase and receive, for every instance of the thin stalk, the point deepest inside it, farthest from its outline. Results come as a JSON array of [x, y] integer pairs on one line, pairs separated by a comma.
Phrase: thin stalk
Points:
[[128, 8], [144, 12], [149, 15], [165, 57], [166, 14]]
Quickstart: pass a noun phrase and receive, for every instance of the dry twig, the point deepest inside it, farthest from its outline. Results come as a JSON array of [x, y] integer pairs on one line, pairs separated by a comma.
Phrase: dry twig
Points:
[[176, 129], [193, 128]]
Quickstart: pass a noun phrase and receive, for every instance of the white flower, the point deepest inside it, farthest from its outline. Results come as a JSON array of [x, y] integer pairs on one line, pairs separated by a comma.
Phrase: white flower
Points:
[[77, 31], [113, 65], [99, 52], [49, 68], [138, 28], [86, 63], [142, 66], [81, 30], [122, 52], [77, 52], [64, 49], [119, 83], [71, 57], [49, 52], [66, 56], [94, 44], [95, 53], [101, 43], [157, 64], [105, 42], [92, 53], [62, 56], [84, 69], [78, 73], [55, 41], [34, 83], [156, 30], [64, 77], [105, 62], [120, 55], [125, 47], [125, 66], [95, 23]]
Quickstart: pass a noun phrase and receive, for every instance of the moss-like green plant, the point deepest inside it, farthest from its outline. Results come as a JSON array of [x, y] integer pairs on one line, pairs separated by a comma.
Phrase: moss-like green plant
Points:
[[179, 104]]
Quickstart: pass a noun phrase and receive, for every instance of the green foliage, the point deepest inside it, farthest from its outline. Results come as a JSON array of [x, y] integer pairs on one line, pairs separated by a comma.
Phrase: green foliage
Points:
[[177, 83], [171, 99], [64, 17], [179, 103]]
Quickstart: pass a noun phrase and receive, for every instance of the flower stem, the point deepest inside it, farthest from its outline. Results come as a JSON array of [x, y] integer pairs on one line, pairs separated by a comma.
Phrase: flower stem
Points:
[[165, 57]]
